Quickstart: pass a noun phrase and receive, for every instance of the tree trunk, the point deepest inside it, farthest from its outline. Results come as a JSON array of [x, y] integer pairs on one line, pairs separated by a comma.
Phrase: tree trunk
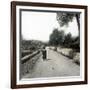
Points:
[[78, 23]]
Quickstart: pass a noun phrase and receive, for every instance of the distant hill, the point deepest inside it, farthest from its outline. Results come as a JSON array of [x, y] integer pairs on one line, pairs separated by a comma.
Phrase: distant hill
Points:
[[31, 44]]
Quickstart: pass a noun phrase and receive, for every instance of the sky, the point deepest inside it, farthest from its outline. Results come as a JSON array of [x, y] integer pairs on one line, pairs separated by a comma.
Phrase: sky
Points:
[[39, 25]]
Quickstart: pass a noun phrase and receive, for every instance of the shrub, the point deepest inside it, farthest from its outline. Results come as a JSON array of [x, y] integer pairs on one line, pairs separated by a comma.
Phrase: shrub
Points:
[[72, 54]]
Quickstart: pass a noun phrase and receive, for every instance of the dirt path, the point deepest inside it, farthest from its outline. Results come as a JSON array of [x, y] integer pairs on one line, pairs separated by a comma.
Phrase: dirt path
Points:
[[56, 65]]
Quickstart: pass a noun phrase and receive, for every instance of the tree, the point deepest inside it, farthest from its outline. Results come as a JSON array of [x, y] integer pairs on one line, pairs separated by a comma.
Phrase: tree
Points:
[[65, 17], [61, 37], [68, 40], [56, 38], [76, 44], [72, 42]]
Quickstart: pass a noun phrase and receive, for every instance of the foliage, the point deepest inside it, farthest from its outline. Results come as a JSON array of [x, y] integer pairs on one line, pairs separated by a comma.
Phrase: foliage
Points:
[[57, 37], [54, 37], [68, 39], [31, 44], [76, 44], [72, 42], [64, 18]]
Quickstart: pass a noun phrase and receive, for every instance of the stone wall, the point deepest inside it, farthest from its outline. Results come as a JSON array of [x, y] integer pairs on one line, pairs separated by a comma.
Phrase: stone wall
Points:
[[27, 65], [68, 52]]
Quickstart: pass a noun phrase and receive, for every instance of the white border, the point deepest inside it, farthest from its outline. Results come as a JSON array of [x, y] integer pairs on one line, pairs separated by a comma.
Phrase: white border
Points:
[[57, 79]]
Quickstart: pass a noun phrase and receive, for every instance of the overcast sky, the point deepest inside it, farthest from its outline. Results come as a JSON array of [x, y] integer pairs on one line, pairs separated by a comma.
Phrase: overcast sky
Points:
[[39, 25]]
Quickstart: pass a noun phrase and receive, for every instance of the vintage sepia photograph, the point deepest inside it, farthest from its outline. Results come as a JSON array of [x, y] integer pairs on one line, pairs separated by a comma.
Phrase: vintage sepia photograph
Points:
[[49, 44]]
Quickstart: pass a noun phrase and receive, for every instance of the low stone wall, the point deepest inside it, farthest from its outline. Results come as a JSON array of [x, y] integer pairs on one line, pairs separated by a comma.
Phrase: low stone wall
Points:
[[77, 58], [64, 51], [27, 65], [68, 52], [25, 52]]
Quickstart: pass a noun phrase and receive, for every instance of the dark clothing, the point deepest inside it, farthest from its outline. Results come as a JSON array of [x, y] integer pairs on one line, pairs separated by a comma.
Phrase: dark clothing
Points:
[[44, 53]]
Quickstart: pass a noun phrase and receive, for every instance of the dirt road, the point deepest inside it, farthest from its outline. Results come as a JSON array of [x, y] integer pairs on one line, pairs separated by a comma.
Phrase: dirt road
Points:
[[55, 65]]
